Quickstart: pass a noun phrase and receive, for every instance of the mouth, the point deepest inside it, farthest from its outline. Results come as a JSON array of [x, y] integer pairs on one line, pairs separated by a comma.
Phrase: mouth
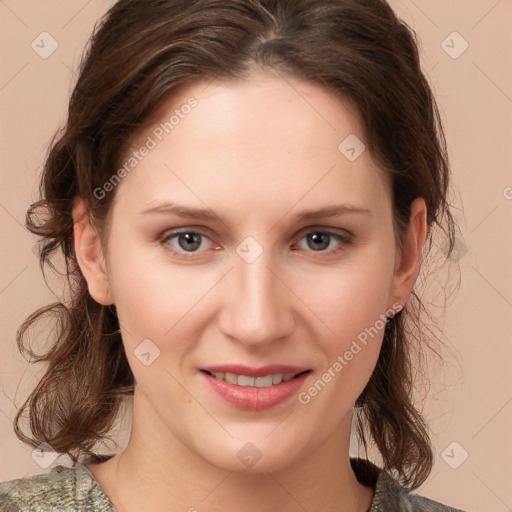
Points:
[[265, 381], [254, 389]]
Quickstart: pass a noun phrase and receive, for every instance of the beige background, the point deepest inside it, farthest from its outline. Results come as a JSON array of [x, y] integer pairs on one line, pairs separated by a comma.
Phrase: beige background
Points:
[[471, 402]]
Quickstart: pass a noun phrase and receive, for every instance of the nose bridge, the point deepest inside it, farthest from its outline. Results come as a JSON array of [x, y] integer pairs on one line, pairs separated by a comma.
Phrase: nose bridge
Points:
[[257, 310]]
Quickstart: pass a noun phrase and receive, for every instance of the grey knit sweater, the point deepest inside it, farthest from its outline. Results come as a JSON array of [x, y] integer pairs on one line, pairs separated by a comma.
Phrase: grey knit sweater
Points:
[[69, 489]]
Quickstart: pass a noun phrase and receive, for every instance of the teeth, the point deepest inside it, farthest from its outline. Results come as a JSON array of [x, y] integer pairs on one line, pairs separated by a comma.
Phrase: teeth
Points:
[[263, 382], [259, 382]]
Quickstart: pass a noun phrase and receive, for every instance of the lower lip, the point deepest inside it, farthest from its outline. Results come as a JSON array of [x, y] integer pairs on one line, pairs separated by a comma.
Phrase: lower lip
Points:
[[253, 398]]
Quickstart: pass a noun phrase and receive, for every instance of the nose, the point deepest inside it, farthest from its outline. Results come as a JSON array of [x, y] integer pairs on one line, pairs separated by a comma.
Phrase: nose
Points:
[[257, 307]]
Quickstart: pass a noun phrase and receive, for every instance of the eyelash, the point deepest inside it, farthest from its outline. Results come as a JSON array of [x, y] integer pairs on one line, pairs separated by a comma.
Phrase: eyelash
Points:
[[342, 238]]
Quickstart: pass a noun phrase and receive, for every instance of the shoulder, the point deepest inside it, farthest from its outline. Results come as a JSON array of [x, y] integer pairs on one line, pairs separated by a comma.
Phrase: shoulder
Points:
[[390, 495], [62, 489], [390, 492]]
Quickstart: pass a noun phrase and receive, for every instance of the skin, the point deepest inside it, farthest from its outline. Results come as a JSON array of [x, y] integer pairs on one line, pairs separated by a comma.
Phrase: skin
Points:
[[256, 153]]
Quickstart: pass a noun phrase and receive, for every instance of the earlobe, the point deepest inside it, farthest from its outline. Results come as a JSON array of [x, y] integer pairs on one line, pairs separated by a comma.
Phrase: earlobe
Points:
[[89, 254], [408, 263]]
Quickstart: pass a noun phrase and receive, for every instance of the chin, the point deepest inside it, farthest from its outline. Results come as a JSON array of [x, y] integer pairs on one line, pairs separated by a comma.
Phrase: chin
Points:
[[259, 456]]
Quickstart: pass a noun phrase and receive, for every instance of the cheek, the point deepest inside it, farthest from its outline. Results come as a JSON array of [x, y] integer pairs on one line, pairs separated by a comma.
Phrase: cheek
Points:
[[151, 292], [154, 302], [162, 302], [346, 359], [348, 299], [349, 307]]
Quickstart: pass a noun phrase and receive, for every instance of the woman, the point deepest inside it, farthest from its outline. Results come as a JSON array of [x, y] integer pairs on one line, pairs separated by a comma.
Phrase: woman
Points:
[[243, 193]]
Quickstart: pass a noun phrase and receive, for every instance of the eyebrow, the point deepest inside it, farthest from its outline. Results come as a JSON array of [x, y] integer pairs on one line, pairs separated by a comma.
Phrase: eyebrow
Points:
[[332, 211], [207, 214]]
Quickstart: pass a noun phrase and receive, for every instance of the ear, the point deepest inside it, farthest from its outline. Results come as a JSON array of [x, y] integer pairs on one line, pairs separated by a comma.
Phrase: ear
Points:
[[89, 254], [408, 263]]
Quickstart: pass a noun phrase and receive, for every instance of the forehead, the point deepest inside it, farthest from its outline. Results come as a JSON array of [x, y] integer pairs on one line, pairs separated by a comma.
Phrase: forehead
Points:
[[266, 133], [257, 106]]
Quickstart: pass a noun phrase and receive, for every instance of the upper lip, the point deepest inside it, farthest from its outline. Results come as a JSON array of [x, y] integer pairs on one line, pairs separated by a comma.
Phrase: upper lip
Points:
[[262, 371]]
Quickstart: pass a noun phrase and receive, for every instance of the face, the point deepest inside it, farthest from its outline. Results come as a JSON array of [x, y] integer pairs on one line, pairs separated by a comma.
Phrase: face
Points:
[[246, 249]]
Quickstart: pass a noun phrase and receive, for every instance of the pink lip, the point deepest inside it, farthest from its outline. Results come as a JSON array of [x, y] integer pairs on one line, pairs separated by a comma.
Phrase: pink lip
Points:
[[254, 372], [254, 398]]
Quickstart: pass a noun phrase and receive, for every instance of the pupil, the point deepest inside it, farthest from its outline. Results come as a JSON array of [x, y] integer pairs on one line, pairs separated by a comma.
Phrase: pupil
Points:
[[321, 239], [189, 241]]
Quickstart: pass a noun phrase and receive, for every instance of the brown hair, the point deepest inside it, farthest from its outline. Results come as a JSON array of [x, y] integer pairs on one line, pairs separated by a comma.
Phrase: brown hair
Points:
[[139, 54]]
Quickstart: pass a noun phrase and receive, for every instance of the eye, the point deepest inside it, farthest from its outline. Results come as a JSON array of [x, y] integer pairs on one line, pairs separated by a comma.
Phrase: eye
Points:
[[324, 241], [186, 241], [193, 241]]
